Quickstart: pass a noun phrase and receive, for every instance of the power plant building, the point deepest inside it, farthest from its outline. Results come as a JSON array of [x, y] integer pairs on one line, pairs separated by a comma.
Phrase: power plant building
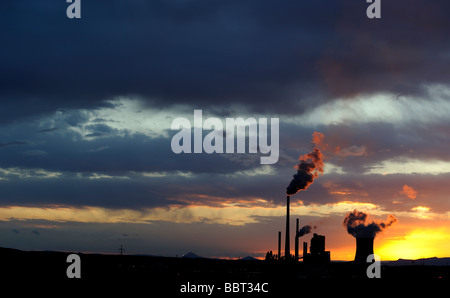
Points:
[[318, 254]]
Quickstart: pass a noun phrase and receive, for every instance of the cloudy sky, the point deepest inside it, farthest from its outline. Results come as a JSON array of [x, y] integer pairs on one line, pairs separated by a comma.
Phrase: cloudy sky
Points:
[[86, 108]]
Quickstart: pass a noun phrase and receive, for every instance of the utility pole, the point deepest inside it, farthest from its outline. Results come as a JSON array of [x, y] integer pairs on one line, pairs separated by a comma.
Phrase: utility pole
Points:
[[121, 250]]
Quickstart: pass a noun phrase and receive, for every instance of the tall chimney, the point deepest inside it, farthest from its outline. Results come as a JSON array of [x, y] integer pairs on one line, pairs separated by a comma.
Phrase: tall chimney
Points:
[[279, 245], [296, 240], [305, 249], [287, 251], [364, 247]]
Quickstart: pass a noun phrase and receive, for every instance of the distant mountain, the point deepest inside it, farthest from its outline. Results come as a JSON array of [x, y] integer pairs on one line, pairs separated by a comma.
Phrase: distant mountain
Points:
[[419, 262], [250, 258], [191, 255]]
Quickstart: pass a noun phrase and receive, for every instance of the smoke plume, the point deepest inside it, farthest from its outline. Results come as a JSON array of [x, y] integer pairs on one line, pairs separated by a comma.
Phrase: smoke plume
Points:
[[309, 168], [359, 224], [305, 230], [409, 191]]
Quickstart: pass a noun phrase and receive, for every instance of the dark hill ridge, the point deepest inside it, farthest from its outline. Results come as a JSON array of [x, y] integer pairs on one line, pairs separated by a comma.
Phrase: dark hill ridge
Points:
[[170, 272], [250, 258], [419, 262], [191, 255]]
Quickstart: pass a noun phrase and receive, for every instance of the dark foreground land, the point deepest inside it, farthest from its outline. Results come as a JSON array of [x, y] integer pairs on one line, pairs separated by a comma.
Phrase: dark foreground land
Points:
[[172, 274]]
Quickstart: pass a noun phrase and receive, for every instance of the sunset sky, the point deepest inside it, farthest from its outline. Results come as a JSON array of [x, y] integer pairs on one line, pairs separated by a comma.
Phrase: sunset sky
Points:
[[86, 108]]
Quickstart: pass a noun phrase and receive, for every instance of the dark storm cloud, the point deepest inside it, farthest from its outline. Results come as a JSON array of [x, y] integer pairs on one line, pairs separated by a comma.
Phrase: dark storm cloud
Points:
[[360, 148], [385, 190], [213, 53], [118, 154], [135, 191], [282, 57], [125, 159], [14, 143], [47, 130], [85, 146], [75, 191]]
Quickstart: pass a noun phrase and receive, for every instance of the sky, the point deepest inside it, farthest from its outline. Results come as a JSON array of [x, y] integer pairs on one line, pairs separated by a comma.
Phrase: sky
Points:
[[86, 107]]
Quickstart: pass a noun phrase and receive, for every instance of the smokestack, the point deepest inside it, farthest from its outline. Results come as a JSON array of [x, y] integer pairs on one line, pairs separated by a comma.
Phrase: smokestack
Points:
[[287, 251], [279, 245], [310, 166], [296, 240], [305, 249], [364, 247]]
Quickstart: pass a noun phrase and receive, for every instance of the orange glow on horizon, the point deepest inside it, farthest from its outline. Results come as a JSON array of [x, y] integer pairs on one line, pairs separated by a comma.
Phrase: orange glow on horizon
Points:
[[419, 234], [414, 243], [425, 239], [418, 243]]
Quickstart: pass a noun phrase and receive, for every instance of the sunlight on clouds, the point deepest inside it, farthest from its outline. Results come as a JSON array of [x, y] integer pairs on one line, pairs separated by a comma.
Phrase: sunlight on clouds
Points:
[[123, 116], [191, 200], [411, 166], [66, 214], [262, 170], [346, 206], [420, 209], [132, 116], [232, 214], [332, 169], [225, 215], [167, 174], [229, 212], [381, 107], [340, 190], [422, 212], [20, 173], [96, 176]]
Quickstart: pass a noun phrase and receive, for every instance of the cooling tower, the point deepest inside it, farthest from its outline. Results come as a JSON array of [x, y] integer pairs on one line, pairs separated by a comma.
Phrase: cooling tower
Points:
[[364, 247]]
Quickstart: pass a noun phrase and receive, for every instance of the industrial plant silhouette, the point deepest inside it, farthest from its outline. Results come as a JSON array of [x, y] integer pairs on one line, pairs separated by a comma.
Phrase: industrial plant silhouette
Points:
[[281, 271], [318, 255]]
